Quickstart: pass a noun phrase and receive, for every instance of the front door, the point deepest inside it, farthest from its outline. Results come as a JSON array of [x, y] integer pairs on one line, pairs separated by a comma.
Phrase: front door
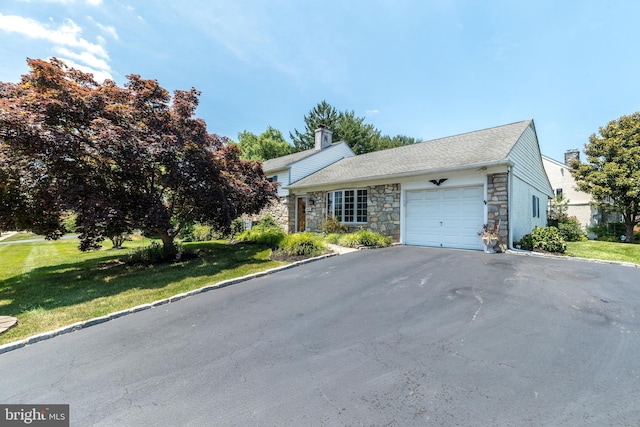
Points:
[[301, 214]]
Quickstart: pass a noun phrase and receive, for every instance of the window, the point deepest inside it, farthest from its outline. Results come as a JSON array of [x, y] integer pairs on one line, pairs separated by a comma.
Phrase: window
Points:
[[348, 205], [536, 206], [558, 192], [273, 178]]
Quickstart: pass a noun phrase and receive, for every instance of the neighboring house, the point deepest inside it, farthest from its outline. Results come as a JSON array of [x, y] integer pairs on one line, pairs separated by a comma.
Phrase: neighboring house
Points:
[[435, 193], [563, 183], [580, 203]]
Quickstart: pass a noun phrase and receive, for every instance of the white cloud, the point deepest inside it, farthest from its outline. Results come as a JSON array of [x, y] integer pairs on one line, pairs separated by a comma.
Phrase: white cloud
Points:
[[66, 39], [89, 2], [371, 112], [84, 57], [66, 35], [98, 75], [109, 30]]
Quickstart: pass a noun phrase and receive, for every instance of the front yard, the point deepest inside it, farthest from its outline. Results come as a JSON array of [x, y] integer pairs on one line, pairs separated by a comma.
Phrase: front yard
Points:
[[608, 251], [47, 285]]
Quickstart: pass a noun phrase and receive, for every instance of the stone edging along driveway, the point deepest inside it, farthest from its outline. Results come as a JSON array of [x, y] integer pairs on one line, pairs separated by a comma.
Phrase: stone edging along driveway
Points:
[[97, 320]]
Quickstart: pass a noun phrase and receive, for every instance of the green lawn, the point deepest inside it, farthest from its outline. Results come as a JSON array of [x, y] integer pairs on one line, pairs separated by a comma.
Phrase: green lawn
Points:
[[609, 251], [50, 284]]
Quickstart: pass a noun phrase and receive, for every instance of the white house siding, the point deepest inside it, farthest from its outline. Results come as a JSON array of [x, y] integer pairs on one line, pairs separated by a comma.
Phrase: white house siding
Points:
[[579, 202], [526, 157], [522, 218], [282, 177], [321, 159]]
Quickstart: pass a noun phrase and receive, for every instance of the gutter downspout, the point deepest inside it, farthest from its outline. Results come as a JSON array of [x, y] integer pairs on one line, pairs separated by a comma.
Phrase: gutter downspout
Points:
[[509, 207]]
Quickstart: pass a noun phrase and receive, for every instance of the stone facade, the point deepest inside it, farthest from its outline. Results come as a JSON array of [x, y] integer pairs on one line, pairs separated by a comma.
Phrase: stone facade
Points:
[[498, 204], [316, 208], [279, 211], [383, 211], [383, 202]]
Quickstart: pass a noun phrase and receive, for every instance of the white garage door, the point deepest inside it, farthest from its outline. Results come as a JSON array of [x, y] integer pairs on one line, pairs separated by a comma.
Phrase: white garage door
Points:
[[448, 218]]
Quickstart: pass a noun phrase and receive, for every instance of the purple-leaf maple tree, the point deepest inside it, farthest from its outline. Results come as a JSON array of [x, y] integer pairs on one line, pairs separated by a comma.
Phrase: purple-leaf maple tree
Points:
[[121, 158]]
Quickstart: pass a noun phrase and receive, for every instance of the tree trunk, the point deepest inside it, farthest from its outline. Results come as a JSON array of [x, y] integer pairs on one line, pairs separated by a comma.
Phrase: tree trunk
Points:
[[629, 223], [168, 244]]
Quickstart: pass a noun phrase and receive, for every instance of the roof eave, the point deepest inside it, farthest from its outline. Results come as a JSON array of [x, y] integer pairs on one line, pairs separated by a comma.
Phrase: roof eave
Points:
[[503, 162]]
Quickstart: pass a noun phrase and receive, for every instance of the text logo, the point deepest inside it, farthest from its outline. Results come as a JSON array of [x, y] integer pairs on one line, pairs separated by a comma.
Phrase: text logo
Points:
[[34, 415]]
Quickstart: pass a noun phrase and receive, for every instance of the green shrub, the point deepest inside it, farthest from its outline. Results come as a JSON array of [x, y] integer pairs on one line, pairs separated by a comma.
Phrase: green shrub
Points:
[[332, 225], [526, 243], [153, 254], [302, 244], [202, 233], [570, 229], [333, 238], [348, 240], [364, 238], [69, 223], [611, 232], [186, 232], [270, 237], [266, 222], [265, 232], [548, 239], [237, 226]]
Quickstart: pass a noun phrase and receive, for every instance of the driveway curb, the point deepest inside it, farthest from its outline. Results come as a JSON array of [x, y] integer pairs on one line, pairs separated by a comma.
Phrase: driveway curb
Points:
[[571, 258], [5, 348]]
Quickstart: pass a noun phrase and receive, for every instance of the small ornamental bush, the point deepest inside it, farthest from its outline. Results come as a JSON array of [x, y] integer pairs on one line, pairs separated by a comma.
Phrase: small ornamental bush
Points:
[[548, 239], [69, 223], [333, 238], [302, 244], [237, 226], [332, 225], [265, 232], [153, 254], [611, 231], [202, 233], [526, 243], [364, 238], [570, 230], [186, 233]]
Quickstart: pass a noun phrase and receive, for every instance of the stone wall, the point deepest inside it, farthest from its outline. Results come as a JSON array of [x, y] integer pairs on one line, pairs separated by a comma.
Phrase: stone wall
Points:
[[383, 211], [279, 211], [383, 203], [316, 208], [498, 204]]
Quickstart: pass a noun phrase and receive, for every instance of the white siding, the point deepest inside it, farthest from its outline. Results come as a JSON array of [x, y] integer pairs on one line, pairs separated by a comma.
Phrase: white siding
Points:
[[282, 177], [321, 159], [579, 202], [527, 160], [521, 217]]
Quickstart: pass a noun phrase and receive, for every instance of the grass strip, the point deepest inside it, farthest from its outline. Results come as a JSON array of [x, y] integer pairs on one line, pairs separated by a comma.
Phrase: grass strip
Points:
[[50, 284]]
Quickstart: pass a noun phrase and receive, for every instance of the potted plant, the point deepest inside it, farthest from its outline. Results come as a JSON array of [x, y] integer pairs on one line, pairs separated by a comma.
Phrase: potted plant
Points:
[[490, 236]]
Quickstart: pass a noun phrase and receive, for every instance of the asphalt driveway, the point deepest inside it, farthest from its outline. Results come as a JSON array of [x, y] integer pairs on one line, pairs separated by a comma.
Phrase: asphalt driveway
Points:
[[398, 336]]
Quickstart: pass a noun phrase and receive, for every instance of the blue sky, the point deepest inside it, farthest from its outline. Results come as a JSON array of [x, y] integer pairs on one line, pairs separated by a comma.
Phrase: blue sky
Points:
[[425, 69]]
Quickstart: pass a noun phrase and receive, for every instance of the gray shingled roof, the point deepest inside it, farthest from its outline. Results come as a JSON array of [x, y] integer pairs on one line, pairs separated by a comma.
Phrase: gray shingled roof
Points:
[[453, 152], [284, 161]]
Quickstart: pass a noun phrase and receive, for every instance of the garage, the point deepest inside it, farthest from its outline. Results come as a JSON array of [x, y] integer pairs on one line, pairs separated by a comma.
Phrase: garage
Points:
[[448, 217]]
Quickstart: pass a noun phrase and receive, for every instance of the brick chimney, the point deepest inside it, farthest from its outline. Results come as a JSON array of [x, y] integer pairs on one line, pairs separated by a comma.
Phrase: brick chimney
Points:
[[571, 155], [323, 137]]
